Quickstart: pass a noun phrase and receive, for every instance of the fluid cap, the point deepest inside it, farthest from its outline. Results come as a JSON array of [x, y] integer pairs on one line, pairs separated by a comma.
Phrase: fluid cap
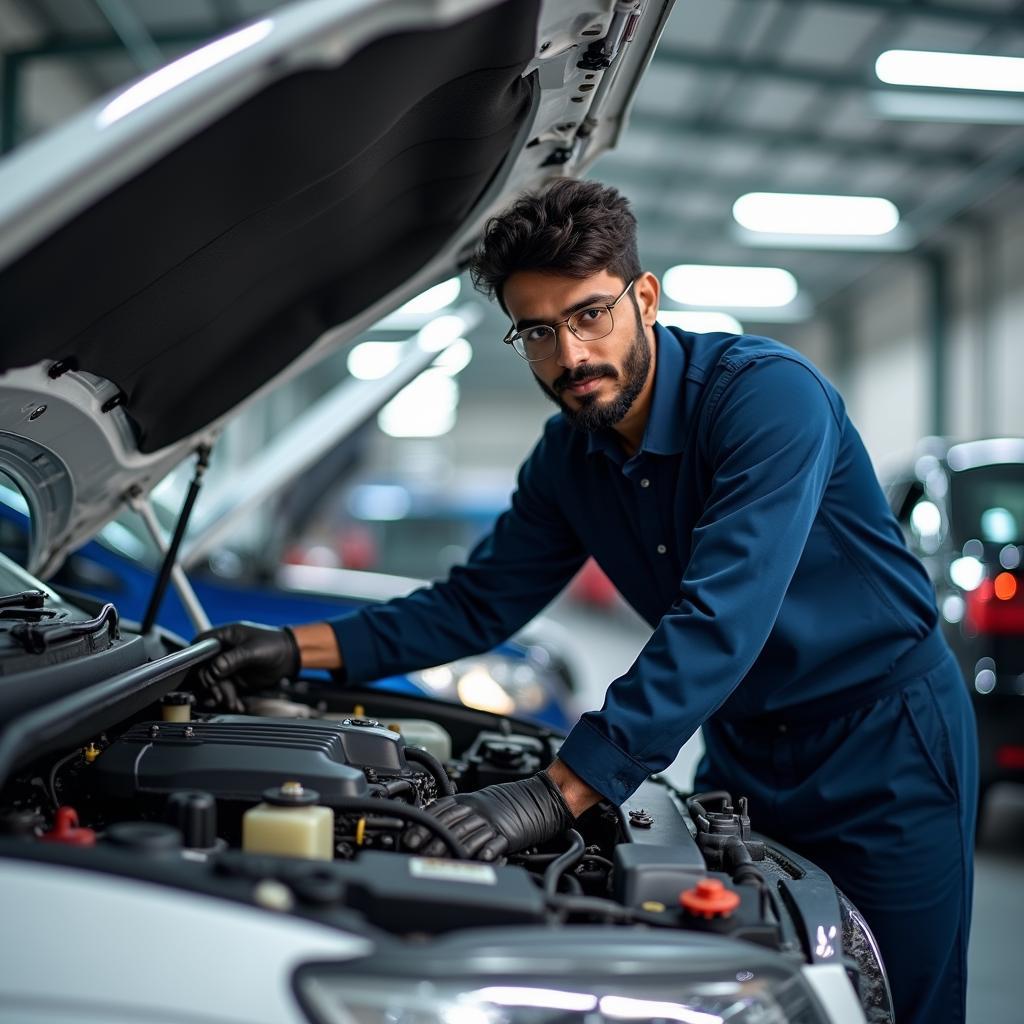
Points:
[[150, 838], [291, 794], [194, 813], [177, 706], [66, 830], [709, 898]]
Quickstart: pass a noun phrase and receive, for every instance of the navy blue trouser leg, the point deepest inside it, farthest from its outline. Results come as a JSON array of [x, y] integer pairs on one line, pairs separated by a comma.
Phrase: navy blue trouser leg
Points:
[[884, 800]]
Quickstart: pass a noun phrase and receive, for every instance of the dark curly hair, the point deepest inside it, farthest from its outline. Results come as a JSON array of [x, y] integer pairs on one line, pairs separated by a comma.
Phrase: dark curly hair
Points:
[[576, 228]]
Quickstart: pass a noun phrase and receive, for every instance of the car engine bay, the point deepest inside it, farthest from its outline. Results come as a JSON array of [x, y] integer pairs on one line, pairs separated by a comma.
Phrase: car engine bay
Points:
[[304, 804]]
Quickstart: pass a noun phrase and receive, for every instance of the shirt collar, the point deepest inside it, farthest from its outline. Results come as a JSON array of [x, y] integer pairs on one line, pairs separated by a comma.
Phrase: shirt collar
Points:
[[665, 430]]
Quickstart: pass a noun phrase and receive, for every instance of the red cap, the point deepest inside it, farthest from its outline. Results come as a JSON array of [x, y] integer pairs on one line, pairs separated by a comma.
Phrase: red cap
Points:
[[710, 898], [65, 829]]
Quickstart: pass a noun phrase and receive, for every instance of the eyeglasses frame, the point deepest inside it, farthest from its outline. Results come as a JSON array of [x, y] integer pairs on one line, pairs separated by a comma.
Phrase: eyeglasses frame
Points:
[[512, 333]]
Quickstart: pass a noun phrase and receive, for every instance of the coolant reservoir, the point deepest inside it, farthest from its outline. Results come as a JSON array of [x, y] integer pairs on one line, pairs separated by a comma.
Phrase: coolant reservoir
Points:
[[419, 732], [289, 823], [177, 706]]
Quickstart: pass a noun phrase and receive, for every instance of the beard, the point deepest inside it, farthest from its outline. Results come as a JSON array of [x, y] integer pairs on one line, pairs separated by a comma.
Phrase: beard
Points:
[[592, 414]]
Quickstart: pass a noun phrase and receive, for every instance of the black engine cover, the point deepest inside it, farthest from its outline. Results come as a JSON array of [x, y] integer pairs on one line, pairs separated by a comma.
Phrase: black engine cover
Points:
[[237, 757]]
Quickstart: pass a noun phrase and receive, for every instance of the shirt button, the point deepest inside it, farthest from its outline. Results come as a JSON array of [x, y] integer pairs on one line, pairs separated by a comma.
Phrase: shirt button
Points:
[[645, 482], [662, 549]]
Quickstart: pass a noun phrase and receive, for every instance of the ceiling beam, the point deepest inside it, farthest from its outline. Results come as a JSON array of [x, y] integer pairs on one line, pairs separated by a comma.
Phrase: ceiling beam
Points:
[[806, 74], [132, 32], [664, 178], [851, 149], [92, 45], [715, 61], [965, 14]]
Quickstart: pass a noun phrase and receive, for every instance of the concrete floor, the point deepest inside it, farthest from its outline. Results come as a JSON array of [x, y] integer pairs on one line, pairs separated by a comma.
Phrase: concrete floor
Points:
[[995, 986], [607, 644]]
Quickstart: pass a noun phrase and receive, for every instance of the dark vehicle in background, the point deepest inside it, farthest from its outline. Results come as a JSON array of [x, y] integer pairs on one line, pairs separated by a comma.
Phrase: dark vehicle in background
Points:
[[961, 507]]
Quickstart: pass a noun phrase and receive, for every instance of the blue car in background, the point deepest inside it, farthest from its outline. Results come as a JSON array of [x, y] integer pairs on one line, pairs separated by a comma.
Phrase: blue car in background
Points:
[[525, 677]]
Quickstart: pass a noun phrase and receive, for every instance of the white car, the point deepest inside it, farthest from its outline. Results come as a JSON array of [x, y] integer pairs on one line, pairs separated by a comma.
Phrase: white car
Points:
[[165, 258]]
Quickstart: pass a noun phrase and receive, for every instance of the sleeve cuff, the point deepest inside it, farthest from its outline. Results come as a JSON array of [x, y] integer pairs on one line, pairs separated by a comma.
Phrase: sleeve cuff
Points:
[[601, 764], [355, 642]]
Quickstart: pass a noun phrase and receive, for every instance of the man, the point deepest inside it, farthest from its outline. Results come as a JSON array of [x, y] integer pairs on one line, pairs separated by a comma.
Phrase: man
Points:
[[719, 483]]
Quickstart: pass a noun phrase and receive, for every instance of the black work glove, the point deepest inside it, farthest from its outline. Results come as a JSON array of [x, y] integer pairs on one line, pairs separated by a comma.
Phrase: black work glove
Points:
[[498, 819], [251, 657]]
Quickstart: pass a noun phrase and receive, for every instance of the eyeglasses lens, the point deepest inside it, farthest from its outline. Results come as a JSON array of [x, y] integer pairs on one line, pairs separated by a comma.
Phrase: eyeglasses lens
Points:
[[588, 325]]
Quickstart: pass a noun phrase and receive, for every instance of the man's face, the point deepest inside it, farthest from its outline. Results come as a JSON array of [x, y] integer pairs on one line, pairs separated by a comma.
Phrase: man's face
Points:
[[595, 383]]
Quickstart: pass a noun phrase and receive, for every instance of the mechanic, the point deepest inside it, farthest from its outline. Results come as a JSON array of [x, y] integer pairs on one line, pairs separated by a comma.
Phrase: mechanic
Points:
[[719, 483]]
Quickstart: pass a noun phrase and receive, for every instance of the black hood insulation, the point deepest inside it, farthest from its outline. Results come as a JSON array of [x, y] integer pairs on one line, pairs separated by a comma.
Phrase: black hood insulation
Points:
[[208, 273]]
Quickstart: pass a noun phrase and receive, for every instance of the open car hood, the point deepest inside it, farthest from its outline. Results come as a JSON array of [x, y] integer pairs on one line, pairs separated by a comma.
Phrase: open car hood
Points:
[[227, 221]]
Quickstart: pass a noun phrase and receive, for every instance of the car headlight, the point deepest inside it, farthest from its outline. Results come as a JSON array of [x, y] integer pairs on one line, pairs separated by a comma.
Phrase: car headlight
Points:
[[860, 944], [738, 998], [492, 683]]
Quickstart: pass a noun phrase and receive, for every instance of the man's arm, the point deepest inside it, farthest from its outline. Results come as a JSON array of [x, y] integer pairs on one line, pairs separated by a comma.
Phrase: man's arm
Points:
[[318, 646], [576, 793], [772, 439], [530, 555]]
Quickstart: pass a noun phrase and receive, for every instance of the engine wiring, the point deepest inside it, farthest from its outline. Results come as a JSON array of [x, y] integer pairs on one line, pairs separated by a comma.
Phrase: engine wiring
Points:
[[51, 790]]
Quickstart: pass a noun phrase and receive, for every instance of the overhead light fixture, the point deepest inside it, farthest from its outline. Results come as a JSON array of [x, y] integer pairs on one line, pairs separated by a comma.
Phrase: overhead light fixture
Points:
[[897, 240], [180, 71], [433, 299], [696, 284], [985, 72], [700, 321], [372, 360], [424, 408], [442, 331], [455, 358], [792, 213]]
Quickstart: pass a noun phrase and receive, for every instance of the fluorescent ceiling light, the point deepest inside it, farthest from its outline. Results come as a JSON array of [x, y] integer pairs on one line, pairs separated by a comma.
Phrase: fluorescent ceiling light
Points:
[[372, 360], [379, 502], [697, 284], [433, 299], [424, 408], [897, 240], [700, 321], [440, 332], [951, 70], [793, 213], [947, 107], [455, 358], [181, 70]]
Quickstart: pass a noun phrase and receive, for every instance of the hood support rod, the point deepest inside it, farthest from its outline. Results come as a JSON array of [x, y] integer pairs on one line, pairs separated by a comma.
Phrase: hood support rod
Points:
[[170, 569]]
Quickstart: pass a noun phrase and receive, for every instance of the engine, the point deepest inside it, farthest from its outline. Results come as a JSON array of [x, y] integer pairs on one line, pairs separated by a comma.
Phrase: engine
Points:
[[235, 761], [306, 805]]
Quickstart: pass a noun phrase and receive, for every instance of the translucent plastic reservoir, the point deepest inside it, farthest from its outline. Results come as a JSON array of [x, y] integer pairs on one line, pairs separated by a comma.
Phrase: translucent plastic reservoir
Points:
[[289, 831], [418, 732]]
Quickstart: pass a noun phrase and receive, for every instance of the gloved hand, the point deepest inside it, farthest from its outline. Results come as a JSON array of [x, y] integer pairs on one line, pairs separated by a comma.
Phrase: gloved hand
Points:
[[498, 819], [251, 656]]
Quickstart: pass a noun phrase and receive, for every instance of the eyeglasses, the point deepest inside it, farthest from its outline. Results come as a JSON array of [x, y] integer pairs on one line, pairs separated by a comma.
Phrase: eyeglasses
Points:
[[541, 340]]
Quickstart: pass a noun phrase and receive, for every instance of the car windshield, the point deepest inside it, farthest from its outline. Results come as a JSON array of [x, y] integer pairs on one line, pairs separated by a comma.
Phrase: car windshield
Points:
[[988, 504]]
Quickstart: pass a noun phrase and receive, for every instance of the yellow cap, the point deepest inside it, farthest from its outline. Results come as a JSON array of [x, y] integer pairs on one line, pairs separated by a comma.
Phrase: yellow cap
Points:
[[652, 906], [360, 831], [359, 711], [91, 753]]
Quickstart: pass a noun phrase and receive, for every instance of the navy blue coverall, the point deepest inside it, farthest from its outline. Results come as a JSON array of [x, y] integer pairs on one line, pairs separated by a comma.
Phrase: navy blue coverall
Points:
[[790, 620]]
